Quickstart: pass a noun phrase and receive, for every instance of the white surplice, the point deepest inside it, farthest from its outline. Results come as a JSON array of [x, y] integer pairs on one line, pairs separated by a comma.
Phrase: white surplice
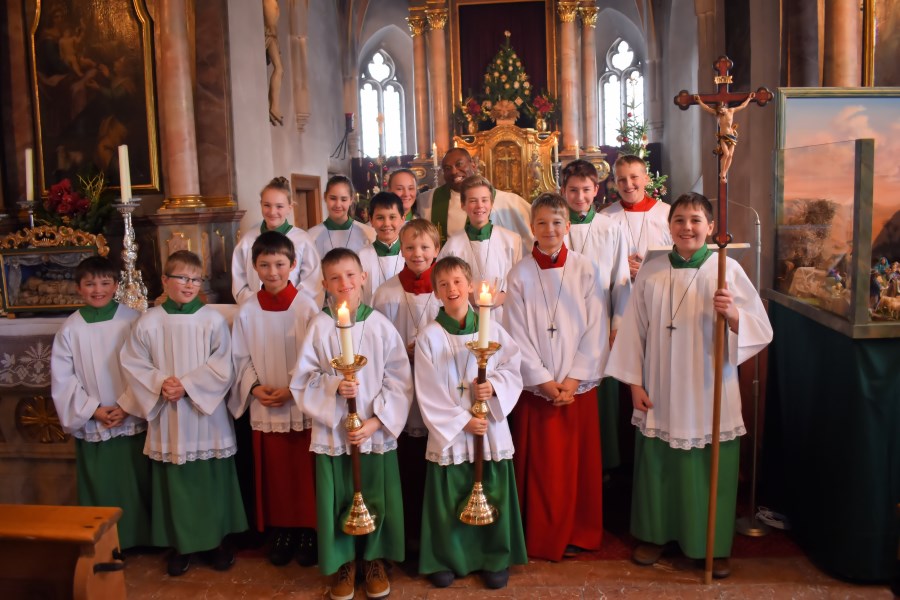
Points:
[[580, 346], [442, 359], [306, 276], [85, 374], [265, 346], [602, 241], [642, 230], [356, 237], [379, 269], [385, 384], [195, 348], [676, 367]]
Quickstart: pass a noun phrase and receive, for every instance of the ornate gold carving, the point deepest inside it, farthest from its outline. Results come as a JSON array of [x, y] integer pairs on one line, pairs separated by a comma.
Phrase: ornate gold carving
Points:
[[437, 18], [45, 236], [416, 24], [204, 254], [37, 421], [183, 202], [720, 79], [589, 15], [567, 11], [178, 241], [219, 202]]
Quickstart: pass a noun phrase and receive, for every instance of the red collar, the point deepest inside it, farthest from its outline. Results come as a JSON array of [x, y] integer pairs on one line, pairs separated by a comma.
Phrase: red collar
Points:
[[642, 206], [413, 284], [545, 262], [277, 302]]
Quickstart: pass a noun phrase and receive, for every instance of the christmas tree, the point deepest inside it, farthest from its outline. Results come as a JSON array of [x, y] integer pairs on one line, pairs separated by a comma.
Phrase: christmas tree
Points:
[[505, 82]]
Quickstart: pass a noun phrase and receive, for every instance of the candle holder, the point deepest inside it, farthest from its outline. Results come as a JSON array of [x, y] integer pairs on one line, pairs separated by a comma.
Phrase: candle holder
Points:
[[131, 291], [28, 206], [557, 169], [478, 511]]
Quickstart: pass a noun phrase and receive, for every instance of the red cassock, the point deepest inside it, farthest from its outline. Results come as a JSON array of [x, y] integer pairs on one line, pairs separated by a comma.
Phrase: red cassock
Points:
[[559, 474], [285, 479]]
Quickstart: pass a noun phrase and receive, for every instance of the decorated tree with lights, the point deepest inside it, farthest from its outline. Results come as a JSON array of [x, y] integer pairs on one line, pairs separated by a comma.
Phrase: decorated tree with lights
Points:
[[507, 90]]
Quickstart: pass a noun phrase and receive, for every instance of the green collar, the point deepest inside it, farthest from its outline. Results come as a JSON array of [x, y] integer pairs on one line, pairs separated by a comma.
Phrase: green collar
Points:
[[98, 315], [451, 325], [362, 313], [576, 218], [283, 228], [409, 216], [382, 249], [695, 261], [173, 308], [479, 235], [332, 226]]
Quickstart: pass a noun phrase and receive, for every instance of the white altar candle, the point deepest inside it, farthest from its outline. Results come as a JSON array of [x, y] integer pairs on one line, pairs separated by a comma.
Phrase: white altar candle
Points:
[[577, 150], [556, 149], [485, 302], [434, 156], [124, 173], [29, 174], [343, 317]]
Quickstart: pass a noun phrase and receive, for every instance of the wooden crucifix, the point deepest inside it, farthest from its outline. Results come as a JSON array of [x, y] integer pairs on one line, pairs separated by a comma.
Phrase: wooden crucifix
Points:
[[726, 142]]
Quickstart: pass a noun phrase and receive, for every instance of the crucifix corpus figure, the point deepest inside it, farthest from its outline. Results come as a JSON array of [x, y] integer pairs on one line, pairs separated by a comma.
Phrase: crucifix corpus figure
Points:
[[728, 130], [271, 14]]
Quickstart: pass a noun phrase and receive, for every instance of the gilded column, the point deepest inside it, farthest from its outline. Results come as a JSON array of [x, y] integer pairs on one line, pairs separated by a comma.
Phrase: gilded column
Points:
[[417, 24], [437, 61], [176, 106], [842, 44], [569, 75], [589, 80]]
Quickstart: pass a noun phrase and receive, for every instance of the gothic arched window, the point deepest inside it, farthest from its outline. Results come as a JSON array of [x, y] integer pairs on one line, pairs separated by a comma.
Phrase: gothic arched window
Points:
[[621, 91], [381, 102]]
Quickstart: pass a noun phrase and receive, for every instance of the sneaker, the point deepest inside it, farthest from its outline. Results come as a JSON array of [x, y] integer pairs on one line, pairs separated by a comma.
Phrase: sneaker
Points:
[[178, 564], [377, 583], [220, 559], [441, 579], [283, 547], [307, 548], [721, 568], [495, 580], [343, 586], [647, 554]]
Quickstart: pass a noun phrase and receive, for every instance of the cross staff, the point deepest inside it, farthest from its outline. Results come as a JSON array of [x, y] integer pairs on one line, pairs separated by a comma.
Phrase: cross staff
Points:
[[727, 140]]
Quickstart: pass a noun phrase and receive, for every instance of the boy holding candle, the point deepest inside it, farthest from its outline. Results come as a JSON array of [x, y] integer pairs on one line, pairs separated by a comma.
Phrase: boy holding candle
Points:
[[266, 339], [383, 392], [382, 260], [447, 387], [556, 313], [87, 384], [491, 250], [177, 364]]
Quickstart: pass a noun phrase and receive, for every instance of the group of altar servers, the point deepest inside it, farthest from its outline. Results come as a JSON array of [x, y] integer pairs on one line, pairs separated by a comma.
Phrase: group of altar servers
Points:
[[574, 297]]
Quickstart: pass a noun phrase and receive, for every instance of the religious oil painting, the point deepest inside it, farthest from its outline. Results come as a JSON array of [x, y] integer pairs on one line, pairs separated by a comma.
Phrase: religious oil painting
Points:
[[92, 76]]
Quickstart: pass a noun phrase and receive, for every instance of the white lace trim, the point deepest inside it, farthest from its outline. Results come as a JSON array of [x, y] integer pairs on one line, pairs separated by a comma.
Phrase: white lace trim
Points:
[[585, 386], [181, 458], [687, 444], [101, 435], [448, 458], [281, 427], [387, 446]]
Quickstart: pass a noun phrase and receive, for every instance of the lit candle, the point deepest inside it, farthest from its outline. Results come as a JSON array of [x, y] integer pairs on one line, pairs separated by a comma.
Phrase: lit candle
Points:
[[485, 302], [124, 173], [343, 315], [434, 158], [577, 150], [556, 149], [29, 175]]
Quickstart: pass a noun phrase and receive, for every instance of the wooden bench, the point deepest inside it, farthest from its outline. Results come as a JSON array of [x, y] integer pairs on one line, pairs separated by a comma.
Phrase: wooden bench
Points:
[[60, 552]]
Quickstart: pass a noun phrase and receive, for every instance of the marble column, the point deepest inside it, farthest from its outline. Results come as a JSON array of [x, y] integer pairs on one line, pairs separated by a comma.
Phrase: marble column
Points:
[[417, 23], [707, 55], [589, 80], [568, 57], [176, 107], [842, 44], [437, 64]]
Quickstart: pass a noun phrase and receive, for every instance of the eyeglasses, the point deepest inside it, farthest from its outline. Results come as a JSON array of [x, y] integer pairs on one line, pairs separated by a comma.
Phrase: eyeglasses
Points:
[[185, 279]]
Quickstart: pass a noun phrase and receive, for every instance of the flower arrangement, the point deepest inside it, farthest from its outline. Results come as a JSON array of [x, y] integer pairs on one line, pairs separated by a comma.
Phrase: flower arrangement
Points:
[[504, 110], [544, 106], [86, 207], [633, 139]]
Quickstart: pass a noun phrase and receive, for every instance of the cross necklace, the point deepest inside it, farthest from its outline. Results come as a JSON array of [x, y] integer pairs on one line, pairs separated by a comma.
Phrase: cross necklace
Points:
[[636, 245], [587, 236], [384, 276], [671, 327], [460, 376], [416, 320], [349, 235], [551, 316], [487, 259]]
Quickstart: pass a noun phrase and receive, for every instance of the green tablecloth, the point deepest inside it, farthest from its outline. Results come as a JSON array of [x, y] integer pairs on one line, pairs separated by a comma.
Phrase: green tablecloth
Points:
[[831, 454]]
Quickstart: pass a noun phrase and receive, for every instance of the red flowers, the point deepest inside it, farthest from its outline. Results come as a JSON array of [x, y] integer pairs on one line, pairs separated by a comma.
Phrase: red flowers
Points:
[[63, 200], [542, 105], [473, 107]]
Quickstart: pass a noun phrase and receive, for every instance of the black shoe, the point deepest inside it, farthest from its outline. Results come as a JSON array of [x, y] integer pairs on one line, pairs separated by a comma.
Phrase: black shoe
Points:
[[283, 547], [495, 580], [307, 548], [178, 564], [441, 579], [220, 559], [572, 551]]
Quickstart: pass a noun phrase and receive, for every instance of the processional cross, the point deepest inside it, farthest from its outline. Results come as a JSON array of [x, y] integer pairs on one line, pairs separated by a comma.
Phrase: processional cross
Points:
[[726, 142]]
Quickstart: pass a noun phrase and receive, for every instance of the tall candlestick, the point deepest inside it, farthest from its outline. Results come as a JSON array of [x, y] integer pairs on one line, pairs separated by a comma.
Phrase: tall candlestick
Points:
[[577, 150], [343, 317], [485, 302], [29, 175], [434, 156], [124, 173]]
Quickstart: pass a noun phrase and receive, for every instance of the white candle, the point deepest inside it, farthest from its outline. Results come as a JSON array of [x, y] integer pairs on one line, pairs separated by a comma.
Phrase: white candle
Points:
[[485, 302], [343, 315], [577, 150], [434, 156], [124, 173], [556, 149], [29, 175]]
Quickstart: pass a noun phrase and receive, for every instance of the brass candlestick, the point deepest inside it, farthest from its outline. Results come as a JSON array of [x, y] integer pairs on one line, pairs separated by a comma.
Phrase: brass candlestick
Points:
[[478, 510], [359, 521]]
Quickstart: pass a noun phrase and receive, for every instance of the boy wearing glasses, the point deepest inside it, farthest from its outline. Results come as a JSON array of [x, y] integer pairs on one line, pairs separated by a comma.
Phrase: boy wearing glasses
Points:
[[177, 364]]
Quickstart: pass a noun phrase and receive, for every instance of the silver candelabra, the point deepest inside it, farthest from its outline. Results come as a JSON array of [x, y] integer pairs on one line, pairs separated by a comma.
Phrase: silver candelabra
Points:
[[132, 292]]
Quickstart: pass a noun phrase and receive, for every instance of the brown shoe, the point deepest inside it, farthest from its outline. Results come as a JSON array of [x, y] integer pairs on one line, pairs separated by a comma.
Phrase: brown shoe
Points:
[[343, 586], [721, 568], [377, 583], [647, 554]]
